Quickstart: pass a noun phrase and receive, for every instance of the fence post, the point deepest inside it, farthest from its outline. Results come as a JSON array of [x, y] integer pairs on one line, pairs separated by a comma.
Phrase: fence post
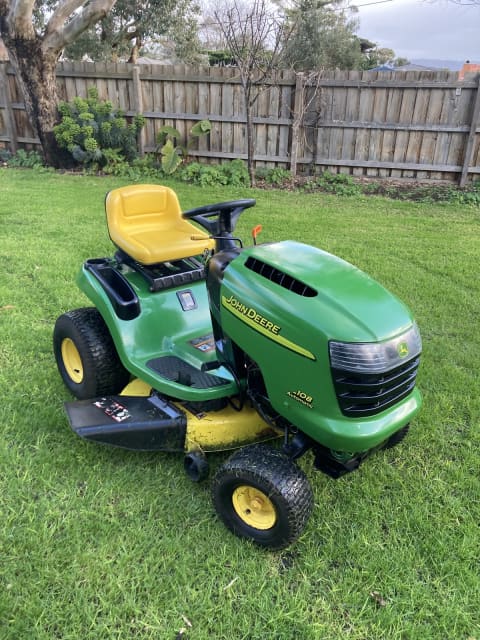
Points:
[[138, 105], [469, 147], [9, 117], [297, 117]]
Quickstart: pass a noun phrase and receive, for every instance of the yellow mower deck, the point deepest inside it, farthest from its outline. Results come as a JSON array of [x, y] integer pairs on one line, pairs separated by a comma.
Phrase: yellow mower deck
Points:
[[216, 430], [147, 421]]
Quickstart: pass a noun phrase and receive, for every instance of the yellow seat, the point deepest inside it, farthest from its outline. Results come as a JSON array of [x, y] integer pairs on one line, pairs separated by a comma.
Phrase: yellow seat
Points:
[[145, 221]]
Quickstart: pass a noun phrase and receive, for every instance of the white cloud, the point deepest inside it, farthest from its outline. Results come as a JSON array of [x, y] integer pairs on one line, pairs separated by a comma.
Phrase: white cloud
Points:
[[423, 28]]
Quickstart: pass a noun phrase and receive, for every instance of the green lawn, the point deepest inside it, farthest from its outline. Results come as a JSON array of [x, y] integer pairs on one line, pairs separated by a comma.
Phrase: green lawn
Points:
[[98, 543]]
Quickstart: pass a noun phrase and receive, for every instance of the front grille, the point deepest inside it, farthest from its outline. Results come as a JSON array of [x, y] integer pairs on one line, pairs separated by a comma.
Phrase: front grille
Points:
[[366, 394]]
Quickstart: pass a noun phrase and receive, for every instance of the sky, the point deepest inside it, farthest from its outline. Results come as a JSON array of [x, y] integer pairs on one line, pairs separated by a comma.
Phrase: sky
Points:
[[422, 29]]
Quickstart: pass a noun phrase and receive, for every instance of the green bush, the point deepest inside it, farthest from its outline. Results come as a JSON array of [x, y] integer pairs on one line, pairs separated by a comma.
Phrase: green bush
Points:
[[24, 159], [236, 173], [341, 184], [89, 127], [172, 153], [470, 195], [278, 177], [232, 173], [138, 169], [5, 155]]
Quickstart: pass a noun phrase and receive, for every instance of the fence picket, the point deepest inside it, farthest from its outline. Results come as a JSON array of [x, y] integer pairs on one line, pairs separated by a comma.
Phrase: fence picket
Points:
[[378, 124]]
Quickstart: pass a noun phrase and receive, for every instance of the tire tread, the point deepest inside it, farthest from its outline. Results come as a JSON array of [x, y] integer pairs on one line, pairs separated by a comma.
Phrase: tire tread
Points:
[[103, 371], [271, 469]]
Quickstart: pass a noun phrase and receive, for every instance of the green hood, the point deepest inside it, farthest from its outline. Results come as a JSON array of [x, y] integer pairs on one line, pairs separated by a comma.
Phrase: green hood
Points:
[[353, 306]]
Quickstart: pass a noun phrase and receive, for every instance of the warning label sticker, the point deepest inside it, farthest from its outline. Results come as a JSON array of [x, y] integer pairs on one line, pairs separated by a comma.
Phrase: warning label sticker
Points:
[[204, 343], [113, 409]]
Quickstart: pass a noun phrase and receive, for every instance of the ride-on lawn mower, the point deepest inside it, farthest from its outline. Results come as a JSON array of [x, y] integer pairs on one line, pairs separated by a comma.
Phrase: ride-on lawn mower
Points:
[[198, 344]]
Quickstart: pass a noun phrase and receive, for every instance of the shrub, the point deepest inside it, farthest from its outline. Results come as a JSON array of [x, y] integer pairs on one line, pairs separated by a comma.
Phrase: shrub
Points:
[[171, 150], [5, 155], [470, 195], [236, 173], [25, 159], [261, 173], [138, 169], [278, 177], [340, 184], [232, 173], [89, 127]]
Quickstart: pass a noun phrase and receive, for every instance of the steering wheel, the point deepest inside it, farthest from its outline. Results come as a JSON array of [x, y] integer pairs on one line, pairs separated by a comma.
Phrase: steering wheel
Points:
[[226, 215]]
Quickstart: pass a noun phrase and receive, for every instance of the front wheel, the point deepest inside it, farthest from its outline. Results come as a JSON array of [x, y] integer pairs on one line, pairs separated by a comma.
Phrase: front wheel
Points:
[[261, 494]]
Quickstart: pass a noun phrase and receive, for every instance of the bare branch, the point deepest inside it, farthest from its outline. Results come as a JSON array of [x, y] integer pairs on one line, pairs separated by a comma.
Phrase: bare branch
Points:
[[254, 34]]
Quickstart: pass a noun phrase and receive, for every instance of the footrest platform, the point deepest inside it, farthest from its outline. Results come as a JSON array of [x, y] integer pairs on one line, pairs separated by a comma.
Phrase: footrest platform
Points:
[[130, 422]]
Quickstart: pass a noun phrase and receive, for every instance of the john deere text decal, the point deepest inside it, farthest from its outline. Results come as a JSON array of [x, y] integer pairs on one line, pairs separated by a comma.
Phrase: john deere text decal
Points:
[[263, 325]]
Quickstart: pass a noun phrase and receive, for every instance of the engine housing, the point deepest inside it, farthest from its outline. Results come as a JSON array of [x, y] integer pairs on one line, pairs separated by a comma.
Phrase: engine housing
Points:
[[282, 304]]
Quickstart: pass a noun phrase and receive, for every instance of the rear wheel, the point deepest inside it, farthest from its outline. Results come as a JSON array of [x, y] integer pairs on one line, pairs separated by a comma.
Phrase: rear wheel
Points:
[[261, 494], [86, 356]]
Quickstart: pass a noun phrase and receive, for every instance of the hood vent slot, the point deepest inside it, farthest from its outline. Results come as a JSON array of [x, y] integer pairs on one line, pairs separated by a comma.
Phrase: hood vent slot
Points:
[[279, 277]]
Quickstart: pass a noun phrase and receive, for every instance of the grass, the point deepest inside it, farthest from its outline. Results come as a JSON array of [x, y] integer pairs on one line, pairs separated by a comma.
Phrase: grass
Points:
[[102, 543]]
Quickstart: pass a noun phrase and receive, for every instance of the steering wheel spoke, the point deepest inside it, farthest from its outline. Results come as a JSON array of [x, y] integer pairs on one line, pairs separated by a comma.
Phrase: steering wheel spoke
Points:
[[220, 218]]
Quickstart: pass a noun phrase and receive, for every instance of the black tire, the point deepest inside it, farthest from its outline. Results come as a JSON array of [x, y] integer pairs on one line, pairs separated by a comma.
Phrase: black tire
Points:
[[397, 437], [86, 356], [262, 495]]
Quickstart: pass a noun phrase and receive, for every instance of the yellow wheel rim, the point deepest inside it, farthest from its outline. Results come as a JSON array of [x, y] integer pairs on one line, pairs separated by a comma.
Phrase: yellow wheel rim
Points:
[[254, 507], [72, 360]]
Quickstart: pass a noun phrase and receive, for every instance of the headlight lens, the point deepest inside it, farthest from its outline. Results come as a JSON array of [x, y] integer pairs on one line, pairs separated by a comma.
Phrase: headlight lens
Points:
[[376, 357]]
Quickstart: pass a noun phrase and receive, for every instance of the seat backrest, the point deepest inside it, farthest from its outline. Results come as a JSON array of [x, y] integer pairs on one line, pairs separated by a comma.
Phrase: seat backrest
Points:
[[145, 221]]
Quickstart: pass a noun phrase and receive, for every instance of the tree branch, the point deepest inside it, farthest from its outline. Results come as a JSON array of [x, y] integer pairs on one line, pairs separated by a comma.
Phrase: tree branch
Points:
[[20, 18], [91, 13], [3, 18], [124, 35], [61, 14], [4, 8]]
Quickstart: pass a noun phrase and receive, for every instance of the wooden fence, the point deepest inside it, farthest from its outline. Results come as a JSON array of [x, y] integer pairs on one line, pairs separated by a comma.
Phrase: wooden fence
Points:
[[422, 125]]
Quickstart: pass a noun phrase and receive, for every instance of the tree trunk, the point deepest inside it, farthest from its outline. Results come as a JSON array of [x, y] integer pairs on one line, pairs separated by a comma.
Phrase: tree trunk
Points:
[[250, 140], [34, 57], [135, 50], [35, 71]]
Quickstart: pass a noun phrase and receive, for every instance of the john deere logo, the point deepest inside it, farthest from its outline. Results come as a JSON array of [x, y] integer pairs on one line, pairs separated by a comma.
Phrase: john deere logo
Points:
[[402, 350]]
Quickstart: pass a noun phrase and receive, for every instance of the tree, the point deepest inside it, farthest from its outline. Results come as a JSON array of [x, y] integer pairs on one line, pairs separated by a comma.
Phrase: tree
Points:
[[254, 34], [375, 56], [35, 43], [131, 25], [323, 36], [210, 31]]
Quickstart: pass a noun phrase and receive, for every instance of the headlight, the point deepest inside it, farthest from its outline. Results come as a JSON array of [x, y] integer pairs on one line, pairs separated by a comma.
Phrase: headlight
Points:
[[376, 357]]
